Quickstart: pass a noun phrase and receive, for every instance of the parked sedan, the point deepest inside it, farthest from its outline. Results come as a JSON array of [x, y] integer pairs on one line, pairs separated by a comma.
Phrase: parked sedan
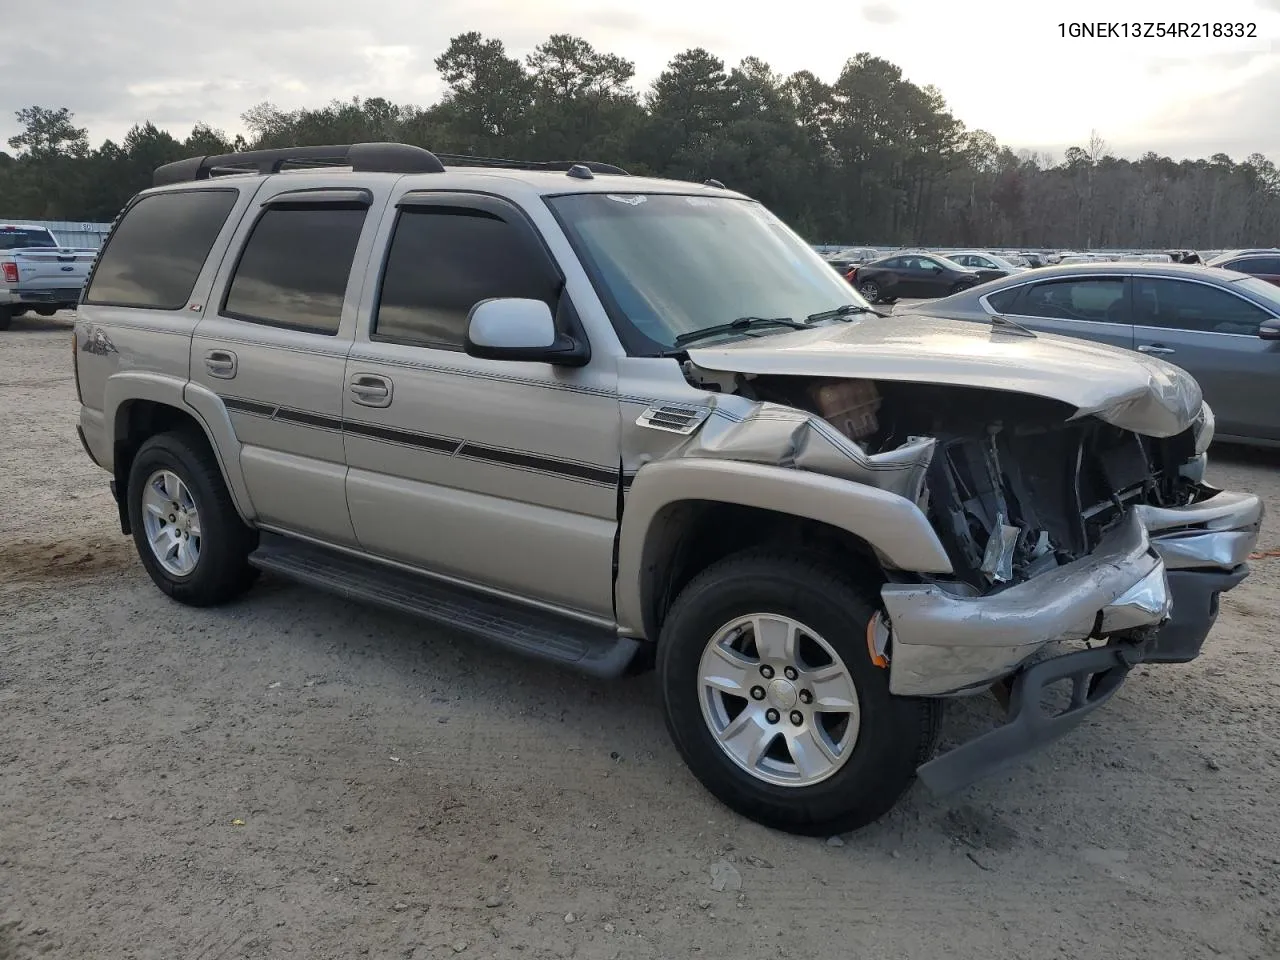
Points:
[[990, 266], [911, 275], [1221, 326], [1263, 264]]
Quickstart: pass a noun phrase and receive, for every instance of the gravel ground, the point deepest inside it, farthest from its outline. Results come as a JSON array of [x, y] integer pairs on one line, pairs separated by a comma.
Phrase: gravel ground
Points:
[[296, 776]]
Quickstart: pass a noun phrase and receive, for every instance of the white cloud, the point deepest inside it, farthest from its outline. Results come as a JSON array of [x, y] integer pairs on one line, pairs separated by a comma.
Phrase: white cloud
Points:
[[1004, 67]]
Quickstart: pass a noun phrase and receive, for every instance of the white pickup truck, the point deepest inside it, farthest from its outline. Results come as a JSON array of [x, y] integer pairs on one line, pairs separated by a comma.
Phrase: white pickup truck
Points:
[[37, 274]]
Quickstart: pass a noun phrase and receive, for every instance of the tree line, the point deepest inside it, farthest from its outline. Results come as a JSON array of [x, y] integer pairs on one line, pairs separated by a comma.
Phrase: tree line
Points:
[[870, 158]]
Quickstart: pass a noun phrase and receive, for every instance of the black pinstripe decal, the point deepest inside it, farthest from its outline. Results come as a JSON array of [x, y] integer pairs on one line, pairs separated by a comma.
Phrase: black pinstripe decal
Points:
[[518, 459]]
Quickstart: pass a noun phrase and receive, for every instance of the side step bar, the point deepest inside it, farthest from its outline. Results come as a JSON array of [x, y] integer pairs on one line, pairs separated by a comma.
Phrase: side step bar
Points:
[[526, 630]]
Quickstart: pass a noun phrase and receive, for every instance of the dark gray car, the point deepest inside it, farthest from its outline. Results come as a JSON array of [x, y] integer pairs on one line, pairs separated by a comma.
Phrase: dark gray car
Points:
[[1221, 326]]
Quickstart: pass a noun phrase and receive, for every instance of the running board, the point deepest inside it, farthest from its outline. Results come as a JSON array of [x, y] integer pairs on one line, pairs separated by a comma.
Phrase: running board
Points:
[[525, 630]]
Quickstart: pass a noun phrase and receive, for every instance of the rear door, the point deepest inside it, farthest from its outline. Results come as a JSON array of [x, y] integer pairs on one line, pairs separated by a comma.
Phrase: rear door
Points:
[[274, 339], [1093, 307], [1213, 334]]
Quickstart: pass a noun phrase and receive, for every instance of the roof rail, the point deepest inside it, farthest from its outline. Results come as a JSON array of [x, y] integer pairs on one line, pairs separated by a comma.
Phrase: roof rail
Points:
[[466, 160], [361, 157]]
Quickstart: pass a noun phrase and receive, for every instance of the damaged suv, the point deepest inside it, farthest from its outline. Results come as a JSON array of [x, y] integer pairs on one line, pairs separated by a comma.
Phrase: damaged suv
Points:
[[622, 423]]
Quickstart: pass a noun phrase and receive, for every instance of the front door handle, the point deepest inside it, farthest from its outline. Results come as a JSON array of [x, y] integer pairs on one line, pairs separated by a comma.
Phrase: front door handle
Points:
[[370, 390], [220, 364], [1155, 348]]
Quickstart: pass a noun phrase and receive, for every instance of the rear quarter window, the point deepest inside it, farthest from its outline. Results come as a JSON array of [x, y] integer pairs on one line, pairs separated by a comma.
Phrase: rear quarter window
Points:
[[157, 250]]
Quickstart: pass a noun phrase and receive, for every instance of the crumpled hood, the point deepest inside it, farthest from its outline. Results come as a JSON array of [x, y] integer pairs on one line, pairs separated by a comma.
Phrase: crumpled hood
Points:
[[1124, 388]]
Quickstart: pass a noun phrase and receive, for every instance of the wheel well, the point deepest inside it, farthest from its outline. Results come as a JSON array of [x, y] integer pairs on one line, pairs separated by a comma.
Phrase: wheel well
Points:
[[687, 537], [136, 422]]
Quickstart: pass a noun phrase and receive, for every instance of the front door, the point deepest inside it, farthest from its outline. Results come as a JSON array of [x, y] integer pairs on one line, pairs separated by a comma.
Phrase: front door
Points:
[[500, 474], [273, 345], [1213, 335]]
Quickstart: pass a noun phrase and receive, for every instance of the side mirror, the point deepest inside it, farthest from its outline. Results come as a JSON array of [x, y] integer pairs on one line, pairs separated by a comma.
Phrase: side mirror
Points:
[[512, 328], [1269, 329], [937, 269]]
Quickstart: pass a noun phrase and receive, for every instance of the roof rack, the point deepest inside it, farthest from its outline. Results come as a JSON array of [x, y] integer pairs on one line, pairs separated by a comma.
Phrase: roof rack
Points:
[[467, 160], [361, 157]]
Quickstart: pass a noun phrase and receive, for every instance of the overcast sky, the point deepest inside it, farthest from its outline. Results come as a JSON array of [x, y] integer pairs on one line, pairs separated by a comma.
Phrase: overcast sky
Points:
[[1003, 66]]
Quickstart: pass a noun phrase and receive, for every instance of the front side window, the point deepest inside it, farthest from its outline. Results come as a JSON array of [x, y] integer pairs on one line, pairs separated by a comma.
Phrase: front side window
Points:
[[156, 252], [1097, 299], [1181, 305], [668, 264], [295, 266], [443, 261]]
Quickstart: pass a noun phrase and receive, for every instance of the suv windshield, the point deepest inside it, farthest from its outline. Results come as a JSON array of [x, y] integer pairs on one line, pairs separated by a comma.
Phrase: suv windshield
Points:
[[671, 264], [14, 238]]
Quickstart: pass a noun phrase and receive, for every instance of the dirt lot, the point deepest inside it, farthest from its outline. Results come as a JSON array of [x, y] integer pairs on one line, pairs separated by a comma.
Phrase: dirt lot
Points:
[[293, 776]]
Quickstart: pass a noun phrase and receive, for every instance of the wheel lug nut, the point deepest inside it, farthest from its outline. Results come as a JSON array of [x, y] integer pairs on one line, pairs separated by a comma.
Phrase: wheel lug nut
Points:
[[797, 717], [790, 673], [766, 671], [173, 518], [757, 693], [771, 715], [806, 696]]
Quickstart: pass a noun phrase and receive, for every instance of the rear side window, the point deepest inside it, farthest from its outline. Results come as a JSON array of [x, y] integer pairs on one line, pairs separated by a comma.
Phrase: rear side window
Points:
[[1002, 301], [295, 265], [156, 252], [445, 260], [1100, 299], [1180, 305]]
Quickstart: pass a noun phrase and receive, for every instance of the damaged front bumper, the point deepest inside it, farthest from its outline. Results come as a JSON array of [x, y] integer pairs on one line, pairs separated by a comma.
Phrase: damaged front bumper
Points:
[[1150, 589]]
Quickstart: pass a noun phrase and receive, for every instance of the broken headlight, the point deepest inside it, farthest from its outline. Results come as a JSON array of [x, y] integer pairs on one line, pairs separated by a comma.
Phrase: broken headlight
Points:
[[1203, 428]]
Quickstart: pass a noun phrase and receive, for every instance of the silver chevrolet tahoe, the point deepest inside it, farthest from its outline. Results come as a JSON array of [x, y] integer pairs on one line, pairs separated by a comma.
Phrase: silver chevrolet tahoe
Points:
[[624, 423]]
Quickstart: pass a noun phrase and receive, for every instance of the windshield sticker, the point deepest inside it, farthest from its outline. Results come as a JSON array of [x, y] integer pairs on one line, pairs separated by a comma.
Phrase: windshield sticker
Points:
[[631, 199], [699, 202]]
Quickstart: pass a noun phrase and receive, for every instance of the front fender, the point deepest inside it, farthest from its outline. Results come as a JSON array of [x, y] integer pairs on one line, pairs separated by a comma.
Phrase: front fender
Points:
[[892, 525]]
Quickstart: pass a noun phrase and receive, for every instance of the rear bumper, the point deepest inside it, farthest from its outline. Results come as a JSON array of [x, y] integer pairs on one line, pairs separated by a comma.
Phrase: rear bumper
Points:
[[40, 296], [946, 644]]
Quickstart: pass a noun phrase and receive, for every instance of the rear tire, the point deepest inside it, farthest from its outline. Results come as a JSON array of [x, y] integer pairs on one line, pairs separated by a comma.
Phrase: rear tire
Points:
[[758, 592], [201, 557], [6, 317], [46, 311], [870, 291]]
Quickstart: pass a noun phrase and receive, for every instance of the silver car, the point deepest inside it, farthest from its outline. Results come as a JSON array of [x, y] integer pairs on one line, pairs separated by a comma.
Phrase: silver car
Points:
[[1221, 326]]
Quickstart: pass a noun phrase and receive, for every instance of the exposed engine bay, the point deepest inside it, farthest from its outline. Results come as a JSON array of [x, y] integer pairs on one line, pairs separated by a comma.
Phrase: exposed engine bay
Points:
[[1012, 485]]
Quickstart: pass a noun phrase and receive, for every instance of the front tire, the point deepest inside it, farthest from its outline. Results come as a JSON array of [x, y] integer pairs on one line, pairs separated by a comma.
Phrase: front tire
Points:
[[771, 696], [188, 535]]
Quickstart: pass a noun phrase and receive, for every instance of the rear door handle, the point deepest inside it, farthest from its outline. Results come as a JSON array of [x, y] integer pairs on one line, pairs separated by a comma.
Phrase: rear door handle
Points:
[[220, 364], [370, 390], [1155, 348]]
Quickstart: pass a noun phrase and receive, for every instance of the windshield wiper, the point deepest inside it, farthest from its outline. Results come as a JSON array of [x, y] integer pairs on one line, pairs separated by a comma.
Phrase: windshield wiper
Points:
[[1002, 321], [742, 323], [844, 310]]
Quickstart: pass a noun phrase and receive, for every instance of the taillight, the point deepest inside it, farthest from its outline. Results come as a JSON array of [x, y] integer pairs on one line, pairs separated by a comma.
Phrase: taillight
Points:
[[10, 272], [852, 275]]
